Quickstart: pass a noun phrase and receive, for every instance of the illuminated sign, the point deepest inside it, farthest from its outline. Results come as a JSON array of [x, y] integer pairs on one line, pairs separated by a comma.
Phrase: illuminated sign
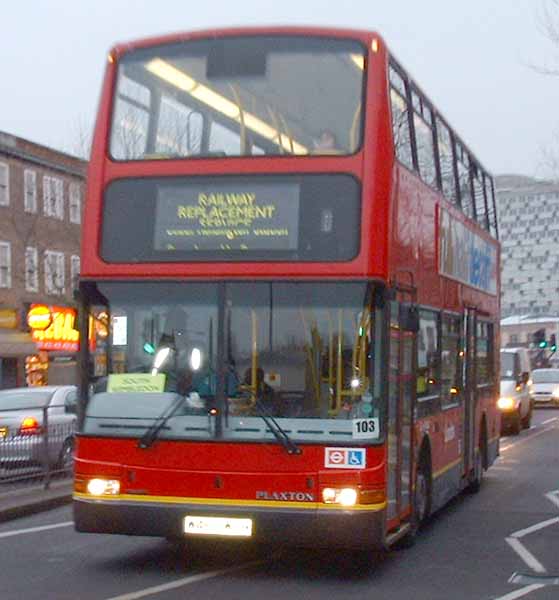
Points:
[[227, 216], [39, 317], [60, 334], [466, 256]]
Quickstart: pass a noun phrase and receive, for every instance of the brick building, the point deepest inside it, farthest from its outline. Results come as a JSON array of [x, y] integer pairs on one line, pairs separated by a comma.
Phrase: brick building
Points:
[[41, 204]]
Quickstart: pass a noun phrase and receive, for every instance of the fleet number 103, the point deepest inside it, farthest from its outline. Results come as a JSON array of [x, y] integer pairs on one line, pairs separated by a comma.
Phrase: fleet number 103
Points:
[[366, 428]]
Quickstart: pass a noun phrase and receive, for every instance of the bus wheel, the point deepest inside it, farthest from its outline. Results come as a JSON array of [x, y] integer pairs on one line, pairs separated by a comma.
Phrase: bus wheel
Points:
[[476, 478], [422, 493], [421, 500]]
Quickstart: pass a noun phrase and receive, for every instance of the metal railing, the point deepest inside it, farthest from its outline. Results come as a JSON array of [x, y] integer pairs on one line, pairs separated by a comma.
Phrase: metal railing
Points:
[[36, 445]]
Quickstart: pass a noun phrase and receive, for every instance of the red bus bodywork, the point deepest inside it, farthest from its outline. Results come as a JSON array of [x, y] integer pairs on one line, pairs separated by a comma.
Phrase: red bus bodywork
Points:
[[400, 220]]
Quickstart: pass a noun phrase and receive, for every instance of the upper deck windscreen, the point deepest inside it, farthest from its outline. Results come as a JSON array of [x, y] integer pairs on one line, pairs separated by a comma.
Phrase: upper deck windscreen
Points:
[[239, 96]]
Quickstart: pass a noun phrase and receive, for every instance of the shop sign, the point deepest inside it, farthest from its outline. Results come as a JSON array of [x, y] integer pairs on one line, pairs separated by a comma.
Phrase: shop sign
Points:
[[60, 334], [39, 317], [8, 318]]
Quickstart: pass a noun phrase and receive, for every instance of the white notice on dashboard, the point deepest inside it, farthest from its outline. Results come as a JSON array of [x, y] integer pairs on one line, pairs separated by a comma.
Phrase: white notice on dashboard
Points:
[[365, 429]]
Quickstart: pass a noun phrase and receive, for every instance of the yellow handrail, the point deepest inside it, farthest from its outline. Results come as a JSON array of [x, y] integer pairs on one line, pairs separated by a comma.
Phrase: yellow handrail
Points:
[[315, 342], [241, 118], [252, 387]]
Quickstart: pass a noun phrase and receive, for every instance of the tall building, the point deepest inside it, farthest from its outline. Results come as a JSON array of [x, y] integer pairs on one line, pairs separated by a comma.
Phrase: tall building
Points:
[[41, 192], [528, 212]]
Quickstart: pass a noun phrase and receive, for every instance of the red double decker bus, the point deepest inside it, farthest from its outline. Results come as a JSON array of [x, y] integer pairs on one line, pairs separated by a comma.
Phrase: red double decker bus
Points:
[[290, 292]]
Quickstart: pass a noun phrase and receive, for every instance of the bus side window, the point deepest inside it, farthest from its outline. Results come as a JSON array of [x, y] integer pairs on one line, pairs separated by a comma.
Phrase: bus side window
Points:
[[484, 354], [422, 124], [451, 359], [464, 184], [446, 160], [479, 198], [427, 382], [400, 120]]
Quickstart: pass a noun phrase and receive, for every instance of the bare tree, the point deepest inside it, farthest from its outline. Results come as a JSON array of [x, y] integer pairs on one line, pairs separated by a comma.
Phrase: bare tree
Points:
[[548, 23], [550, 155], [25, 231], [81, 135]]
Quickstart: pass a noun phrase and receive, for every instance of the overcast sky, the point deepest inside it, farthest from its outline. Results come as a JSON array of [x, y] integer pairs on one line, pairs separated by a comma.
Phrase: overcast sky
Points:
[[472, 58]]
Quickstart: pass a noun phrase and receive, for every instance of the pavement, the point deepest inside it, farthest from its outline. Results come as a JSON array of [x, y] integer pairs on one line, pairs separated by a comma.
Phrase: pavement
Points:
[[33, 499]]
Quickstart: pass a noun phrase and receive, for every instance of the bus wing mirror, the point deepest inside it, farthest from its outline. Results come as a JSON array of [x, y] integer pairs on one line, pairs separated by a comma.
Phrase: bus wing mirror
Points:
[[409, 318]]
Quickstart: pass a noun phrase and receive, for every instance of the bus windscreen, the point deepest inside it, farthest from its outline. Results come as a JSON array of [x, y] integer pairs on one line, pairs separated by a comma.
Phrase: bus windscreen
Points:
[[239, 96]]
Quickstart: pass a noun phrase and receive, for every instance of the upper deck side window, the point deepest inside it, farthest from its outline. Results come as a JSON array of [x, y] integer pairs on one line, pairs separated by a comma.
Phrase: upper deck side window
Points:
[[464, 182], [424, 142], [283, 95], [401, 129], [424, 139], [480, 206], [490, 203]]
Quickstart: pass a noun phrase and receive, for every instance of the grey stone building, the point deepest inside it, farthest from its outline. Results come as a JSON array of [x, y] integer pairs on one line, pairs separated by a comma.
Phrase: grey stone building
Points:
[[528, 212]]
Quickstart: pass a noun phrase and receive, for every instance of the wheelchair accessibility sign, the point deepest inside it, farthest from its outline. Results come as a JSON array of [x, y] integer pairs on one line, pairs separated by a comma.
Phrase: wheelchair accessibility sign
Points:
[[345, 458]]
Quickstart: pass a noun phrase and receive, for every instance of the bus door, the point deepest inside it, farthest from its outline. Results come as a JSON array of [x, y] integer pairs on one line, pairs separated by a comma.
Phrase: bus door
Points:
[[470, 389], [401, 395]]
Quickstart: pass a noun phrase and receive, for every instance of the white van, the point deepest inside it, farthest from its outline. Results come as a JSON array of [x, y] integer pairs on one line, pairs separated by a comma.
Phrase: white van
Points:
[[546, 387], [515, 399]]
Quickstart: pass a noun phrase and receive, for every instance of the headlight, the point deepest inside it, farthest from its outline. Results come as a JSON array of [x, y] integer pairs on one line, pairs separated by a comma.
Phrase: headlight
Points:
[[505, 403], [344, 496], [103, 487], [555, 393]]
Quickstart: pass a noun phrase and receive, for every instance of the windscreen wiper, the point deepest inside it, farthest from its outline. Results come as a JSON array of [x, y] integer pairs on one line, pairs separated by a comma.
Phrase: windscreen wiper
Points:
[[153, 430], [279, 433]]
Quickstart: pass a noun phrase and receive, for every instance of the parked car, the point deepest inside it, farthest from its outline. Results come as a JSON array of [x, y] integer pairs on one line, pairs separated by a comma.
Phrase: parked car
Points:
[[546, 386], [515, 399], [37, 424]]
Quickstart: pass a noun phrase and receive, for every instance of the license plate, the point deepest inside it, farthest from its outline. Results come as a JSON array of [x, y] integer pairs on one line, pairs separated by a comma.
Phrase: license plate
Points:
[[217, 526]]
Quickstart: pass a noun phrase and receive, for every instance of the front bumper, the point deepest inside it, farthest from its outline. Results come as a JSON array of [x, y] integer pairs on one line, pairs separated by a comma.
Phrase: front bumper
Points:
[[545, 400], [510, 415], [319, 527]]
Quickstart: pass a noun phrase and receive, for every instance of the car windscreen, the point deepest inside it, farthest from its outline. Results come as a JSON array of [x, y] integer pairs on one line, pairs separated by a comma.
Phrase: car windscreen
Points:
[[20, 400], [509, 365], [546, 376]]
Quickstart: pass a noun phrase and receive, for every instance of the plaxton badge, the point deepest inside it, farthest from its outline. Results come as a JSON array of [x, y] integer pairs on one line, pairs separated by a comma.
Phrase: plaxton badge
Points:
[[286, 496]]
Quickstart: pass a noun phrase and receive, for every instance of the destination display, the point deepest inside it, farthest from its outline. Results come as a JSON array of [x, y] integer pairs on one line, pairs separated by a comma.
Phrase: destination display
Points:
[[227, 216], [232, 218]]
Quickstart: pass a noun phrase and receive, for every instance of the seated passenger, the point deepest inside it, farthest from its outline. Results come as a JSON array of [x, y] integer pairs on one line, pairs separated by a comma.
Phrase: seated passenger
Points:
[[326, 143]]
